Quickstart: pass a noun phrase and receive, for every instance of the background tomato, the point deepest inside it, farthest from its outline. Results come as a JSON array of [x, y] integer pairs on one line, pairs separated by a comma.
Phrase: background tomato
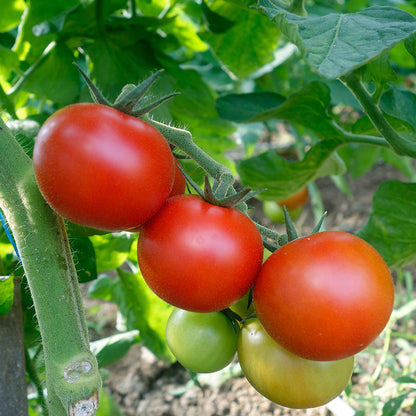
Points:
[[325, 296], [298, 199], [198, 256], [285, 378], [294, 205], [201, 342], [102, 168], [275, 212]]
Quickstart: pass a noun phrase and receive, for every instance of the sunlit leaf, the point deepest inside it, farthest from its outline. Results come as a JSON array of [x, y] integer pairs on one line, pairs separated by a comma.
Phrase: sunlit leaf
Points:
[[391, 227], [337, 43]]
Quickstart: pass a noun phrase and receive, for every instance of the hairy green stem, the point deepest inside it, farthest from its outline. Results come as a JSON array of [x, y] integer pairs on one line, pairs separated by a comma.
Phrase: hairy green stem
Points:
[[182, 139], [365, 139], [73, 381], [399, 144]]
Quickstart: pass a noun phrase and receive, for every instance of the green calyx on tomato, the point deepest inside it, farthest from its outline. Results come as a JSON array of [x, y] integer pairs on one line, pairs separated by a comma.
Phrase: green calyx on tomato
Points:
[[324, 297], [201, 342], [198, 256], [286, 378]]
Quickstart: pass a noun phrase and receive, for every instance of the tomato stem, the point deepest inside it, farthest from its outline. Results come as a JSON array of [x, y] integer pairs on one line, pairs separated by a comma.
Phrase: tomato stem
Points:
[[399, 144], [182, 139], [72, 377]]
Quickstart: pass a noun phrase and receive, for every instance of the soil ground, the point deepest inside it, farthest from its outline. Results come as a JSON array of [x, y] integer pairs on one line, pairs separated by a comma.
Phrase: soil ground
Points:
[[144, 386]]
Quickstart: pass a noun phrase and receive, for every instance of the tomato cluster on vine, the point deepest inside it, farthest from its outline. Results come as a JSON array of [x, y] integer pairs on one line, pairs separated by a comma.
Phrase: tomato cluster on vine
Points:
[[296, 321]]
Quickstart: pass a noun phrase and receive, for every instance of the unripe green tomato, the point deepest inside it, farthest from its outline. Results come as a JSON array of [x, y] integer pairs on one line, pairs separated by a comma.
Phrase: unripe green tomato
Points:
[[201, 342], [242, 307], [285, 378], [275, 212], [294, 205]]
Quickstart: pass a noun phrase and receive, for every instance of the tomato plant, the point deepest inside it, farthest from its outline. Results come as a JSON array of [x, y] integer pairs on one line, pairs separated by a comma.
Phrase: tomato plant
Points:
[[102, 168], [201, 342], [325, 296], [198, 256], [286, 378]]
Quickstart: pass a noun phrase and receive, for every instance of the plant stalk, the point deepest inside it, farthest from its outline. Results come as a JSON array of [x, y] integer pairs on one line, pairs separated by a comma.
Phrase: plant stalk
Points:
[[72, 378], [182, 139], [399, 144]]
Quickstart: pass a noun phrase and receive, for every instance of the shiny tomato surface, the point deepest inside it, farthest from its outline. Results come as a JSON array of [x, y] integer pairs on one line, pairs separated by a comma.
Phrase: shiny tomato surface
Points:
[[198, 256], [286, 378], [326, 296], [101, 168]]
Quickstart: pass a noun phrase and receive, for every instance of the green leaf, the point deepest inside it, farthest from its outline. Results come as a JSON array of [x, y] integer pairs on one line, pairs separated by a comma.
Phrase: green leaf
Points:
[[57, 79], [121, 62], [400, 104], [391, 227], [214, 21], [6, 294], [393, 405], [111, 250], [247, 45], [111, 349], [27, 44], [108, 406], [10, 13], [140, 307], [84, 258], [359, 158], [307, 107], [337, 43], [250, 107], [8, 61], [406, 379], [146, 312], [281, 178], [379, 70]]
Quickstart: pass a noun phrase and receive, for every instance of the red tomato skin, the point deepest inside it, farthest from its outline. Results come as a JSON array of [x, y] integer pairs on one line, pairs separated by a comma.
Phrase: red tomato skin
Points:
[[324, 297], [179, 182], [197, 256], [102, 168]]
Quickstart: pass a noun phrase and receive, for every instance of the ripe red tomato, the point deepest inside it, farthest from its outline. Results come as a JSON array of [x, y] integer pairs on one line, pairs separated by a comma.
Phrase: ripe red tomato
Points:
[[201, 342], [285, 378], [179, 182], [198, 256], [102, 168], [325, 297]]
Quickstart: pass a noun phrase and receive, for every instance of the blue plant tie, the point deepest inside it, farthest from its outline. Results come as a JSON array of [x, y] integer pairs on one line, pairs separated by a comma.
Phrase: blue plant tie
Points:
[[8, 234]]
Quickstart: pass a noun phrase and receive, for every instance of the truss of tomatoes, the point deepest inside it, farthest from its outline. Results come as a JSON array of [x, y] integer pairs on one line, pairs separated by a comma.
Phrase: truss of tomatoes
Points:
[[318, 300]]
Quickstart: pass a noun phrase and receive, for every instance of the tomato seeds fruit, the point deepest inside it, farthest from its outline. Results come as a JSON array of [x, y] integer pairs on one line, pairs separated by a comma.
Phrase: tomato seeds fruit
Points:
[[201, 342], [285, 378], [198, 256], [102, 168], [325, 297]]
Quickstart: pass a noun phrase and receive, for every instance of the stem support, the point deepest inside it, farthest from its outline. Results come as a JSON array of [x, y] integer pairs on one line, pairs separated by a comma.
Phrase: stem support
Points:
[[72, 378]]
